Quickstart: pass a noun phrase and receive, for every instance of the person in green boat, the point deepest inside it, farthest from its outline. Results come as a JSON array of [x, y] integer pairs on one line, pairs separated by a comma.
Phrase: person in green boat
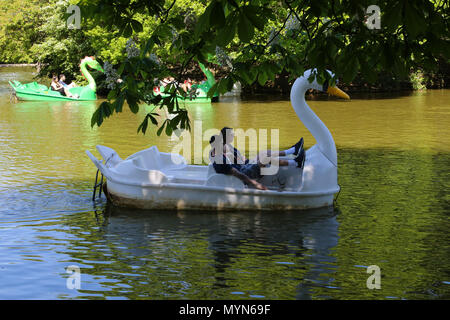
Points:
[[62, 78], [56, 86]]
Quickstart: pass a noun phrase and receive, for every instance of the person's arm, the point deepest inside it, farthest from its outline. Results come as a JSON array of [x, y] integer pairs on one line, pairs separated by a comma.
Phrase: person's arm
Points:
[[246, 179], [241, 157]]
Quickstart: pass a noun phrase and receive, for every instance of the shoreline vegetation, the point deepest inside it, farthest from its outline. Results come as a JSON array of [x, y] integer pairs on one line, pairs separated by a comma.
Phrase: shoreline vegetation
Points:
[[281, 86], [36, 31], [18, 65], [263, 45]]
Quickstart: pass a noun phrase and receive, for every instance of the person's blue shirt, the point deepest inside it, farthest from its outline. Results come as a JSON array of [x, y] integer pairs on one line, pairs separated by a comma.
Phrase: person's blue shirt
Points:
[[63, 83]]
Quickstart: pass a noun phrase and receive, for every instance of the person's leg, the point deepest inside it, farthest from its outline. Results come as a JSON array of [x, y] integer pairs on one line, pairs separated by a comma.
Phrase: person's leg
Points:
[[67, 92], [292, 150], [272, 154], [298, 161], [61, 91], [282, 163], [267, 156], [253, 171]]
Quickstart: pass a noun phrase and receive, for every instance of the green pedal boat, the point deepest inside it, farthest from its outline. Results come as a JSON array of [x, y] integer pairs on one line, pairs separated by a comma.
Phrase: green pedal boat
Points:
[[39, 92], [198, 93]]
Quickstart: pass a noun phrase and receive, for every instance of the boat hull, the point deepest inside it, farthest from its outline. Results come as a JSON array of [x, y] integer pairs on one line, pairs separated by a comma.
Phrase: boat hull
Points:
[[37, 92], [200, 99], [150, 179], [191, 197], [42, 97]]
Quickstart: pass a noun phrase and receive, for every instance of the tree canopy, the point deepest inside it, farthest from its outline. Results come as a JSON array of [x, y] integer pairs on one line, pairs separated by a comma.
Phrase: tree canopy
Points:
[[256, 40], [248, 41]]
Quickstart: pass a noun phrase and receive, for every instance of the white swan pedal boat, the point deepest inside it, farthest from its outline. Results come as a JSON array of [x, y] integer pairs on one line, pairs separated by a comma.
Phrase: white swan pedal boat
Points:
[[150, 179]]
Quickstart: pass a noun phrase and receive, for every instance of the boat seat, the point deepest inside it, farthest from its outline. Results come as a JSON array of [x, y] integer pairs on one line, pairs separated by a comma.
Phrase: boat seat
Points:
[[155, 160], [172, 161], [222, 180], [132, 169], [174, 175], [185, 176]]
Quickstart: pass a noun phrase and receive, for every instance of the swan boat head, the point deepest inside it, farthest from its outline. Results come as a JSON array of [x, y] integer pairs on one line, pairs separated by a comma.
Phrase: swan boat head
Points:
[[320, 171], [89, 90], [309, 81], [91, 63]]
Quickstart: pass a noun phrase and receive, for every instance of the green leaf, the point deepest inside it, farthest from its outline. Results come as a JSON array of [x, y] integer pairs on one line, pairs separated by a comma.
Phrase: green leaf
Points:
[[160, 130], [169, 129], [132, 102], [112, 95], [164, 31], [203, 22], [143, 126], [351, 69], [148, 46], [225, 85], [137, 26], [270, 68], [229, 84], [217, 15], [245, 29], [131, 84], [95, 119], [121, 68], [262, 77], [117, 105], [413, 20], [253, 74], [127, 31], [103, 111], [212, 91], [226, 34], [392, 18], [134, 107], [251, 12], [152, 119], [316, 8]]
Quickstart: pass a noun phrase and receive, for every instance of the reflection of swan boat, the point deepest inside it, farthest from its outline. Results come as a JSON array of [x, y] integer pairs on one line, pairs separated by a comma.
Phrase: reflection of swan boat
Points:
[[227, 246], [39, 92], [153, 179]]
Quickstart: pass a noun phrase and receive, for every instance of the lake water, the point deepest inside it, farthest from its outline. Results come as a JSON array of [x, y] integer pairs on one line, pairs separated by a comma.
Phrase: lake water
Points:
[[393, 210]]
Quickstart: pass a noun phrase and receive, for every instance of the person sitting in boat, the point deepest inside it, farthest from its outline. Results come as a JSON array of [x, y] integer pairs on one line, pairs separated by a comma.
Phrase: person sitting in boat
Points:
[[56, 86], [297, 149], [187, 85], [164, 82], [62, 78], [167, 82], [228, 160], [222, 164]]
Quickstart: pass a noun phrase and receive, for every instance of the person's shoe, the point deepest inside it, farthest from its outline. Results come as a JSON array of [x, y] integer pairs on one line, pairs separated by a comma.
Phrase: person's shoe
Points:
[[298, 146], [300, 159]]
